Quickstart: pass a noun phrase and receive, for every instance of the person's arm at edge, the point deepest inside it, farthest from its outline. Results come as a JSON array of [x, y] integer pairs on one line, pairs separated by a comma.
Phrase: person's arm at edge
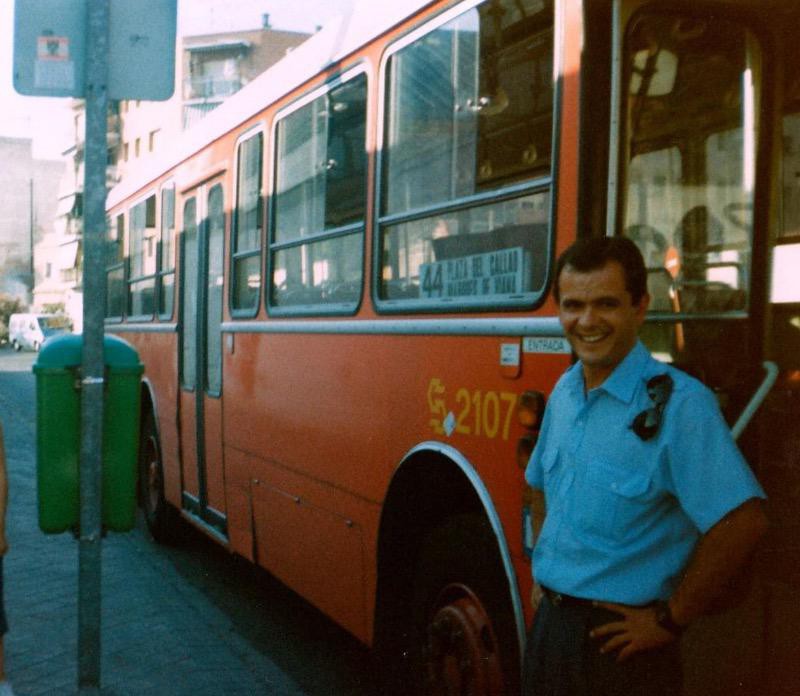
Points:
[[3, 495]]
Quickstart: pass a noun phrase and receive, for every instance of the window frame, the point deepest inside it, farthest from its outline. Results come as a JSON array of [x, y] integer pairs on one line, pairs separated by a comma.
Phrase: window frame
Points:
[[130, 279], [161, 274], [235, 255], [216, 391], [528, 187], [121, 215], [185, 284], [342, 231]]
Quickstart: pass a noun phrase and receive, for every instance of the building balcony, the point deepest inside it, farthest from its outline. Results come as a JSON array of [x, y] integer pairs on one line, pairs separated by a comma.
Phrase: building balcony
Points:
[[213, 89]]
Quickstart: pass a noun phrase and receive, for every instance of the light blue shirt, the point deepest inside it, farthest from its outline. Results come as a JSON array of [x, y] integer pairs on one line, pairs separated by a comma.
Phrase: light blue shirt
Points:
[[624, 514]]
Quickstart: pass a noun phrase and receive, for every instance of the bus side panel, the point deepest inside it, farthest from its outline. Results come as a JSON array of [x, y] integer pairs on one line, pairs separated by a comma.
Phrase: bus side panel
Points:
[[346, 409], [239, 473], [158, 353], [317, 552], [328, 418]]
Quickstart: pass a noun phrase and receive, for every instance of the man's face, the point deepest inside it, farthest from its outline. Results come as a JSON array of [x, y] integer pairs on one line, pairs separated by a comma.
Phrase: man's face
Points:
[[599, 318]]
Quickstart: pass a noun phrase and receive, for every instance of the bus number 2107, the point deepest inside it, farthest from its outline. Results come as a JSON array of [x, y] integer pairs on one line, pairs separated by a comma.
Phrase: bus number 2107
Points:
[[478, 413]]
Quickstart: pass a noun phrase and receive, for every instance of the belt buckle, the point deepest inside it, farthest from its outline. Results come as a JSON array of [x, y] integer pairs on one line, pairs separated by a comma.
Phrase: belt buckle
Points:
[[556, 598]]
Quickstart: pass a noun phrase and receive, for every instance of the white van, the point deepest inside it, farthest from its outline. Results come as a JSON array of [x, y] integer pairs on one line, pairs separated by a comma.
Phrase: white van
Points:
[[31, 330]]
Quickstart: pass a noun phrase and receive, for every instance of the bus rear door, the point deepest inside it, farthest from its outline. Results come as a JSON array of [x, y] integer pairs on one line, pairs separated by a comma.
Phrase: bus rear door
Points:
[[201, 355]]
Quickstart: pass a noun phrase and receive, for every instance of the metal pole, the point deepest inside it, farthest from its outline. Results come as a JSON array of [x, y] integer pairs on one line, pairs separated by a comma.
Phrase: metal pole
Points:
[[32, 218], [96, 149]]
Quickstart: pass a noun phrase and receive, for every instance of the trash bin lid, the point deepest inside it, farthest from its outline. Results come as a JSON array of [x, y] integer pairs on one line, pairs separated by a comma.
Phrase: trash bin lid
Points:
[[67, 351]]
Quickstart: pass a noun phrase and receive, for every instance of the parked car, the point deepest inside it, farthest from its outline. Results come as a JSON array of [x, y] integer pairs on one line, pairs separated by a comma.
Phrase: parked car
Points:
[[32, 330]]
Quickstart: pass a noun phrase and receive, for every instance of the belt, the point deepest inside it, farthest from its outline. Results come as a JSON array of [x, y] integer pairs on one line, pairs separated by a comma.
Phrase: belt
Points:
[[558, 599]]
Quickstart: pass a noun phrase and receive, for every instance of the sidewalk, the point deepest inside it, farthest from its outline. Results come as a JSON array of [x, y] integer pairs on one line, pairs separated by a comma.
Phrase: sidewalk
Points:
[[160, 635]]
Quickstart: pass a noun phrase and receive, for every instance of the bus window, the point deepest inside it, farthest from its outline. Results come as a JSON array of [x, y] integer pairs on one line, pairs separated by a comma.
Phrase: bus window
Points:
[[142, 259], [691, 109], [189, 306], [465, 197], [248, 222], [166, 255], [790, 198], [115, 268], [214, 259], [319, 201]]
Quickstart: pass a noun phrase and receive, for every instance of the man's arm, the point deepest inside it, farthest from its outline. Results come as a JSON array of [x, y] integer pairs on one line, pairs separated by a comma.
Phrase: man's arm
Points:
[[719, 555], [535, 501]]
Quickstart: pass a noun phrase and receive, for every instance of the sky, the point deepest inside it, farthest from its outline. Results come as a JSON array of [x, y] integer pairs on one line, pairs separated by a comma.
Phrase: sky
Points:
[[48, 121]]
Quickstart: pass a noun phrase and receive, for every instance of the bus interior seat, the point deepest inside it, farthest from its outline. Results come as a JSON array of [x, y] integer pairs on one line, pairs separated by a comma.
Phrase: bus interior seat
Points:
[[701, 234], [710, 297]]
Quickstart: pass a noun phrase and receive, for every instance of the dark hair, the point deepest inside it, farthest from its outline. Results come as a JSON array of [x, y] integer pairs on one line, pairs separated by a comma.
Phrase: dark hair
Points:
[[592, 253]]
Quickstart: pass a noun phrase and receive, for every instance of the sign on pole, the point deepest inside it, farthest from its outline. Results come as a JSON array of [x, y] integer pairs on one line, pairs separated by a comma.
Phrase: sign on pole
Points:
[[50, 48], [97, 50]]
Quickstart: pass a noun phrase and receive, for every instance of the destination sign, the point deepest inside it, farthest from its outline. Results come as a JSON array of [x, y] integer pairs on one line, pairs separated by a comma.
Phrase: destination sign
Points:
[[499, 272]]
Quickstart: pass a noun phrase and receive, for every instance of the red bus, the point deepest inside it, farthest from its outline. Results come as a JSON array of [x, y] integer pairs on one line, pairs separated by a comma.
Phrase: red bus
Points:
[[339, 285]]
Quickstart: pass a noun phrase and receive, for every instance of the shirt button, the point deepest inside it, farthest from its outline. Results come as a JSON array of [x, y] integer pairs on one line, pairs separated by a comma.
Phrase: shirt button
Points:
[[614, 486]]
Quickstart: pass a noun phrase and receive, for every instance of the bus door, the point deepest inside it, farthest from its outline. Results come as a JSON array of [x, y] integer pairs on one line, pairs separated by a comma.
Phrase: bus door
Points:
[[780, 427], [690, 109], [699, 180], [201, 355]]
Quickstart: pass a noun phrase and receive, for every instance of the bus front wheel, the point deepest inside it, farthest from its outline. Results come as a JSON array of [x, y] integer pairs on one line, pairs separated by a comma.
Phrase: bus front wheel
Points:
[[158, 513], [462, 613]]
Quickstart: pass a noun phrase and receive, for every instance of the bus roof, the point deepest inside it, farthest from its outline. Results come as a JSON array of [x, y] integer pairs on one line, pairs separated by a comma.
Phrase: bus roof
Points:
[[339, 38]]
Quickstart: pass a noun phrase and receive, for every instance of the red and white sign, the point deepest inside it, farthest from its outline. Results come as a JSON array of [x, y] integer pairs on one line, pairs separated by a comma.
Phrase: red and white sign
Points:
[[52, 48]]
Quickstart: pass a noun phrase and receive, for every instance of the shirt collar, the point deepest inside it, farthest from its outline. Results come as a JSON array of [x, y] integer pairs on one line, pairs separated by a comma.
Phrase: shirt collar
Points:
[[624, 380]]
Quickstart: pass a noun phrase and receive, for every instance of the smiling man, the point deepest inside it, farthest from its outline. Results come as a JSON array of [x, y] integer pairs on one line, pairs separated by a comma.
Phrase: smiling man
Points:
[[650, 507]]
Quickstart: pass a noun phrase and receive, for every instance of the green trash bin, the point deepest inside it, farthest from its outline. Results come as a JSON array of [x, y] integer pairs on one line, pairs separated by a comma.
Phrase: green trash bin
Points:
[[58, 433]]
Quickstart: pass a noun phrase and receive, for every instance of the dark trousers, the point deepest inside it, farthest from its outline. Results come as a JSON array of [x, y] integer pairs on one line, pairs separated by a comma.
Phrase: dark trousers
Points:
[[562, 660]]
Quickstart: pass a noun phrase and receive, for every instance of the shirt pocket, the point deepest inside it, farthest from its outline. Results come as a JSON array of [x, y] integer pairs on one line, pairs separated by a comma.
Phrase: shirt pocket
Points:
[[611, 502], [553, 478]]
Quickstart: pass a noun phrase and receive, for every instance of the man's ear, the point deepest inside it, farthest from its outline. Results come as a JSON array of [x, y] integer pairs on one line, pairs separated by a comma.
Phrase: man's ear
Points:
[[641, 308]]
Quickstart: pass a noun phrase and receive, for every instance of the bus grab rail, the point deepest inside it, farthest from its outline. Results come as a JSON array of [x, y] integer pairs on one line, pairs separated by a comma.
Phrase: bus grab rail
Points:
[[757, 399]]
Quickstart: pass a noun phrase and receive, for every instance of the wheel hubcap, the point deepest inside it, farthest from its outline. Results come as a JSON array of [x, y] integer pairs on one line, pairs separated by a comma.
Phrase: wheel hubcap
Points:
[[461, 655]]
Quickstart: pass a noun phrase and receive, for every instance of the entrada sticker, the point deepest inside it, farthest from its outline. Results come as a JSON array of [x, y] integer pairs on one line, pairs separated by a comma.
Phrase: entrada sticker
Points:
[[546, 344]]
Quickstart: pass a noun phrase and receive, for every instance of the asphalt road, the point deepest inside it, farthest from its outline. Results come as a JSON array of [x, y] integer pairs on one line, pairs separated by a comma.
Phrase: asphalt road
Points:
[[270, 628]]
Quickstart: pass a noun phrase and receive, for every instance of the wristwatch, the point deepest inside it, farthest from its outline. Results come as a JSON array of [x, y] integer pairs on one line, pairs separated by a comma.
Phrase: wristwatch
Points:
[[665, 620]]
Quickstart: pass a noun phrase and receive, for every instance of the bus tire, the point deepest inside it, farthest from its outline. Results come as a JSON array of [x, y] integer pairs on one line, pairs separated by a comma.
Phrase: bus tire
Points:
[[160, 517], [464, 627]]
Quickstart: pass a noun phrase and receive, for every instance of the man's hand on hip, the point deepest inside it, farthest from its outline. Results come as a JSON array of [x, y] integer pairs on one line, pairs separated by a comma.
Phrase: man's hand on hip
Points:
[[636, 631]]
